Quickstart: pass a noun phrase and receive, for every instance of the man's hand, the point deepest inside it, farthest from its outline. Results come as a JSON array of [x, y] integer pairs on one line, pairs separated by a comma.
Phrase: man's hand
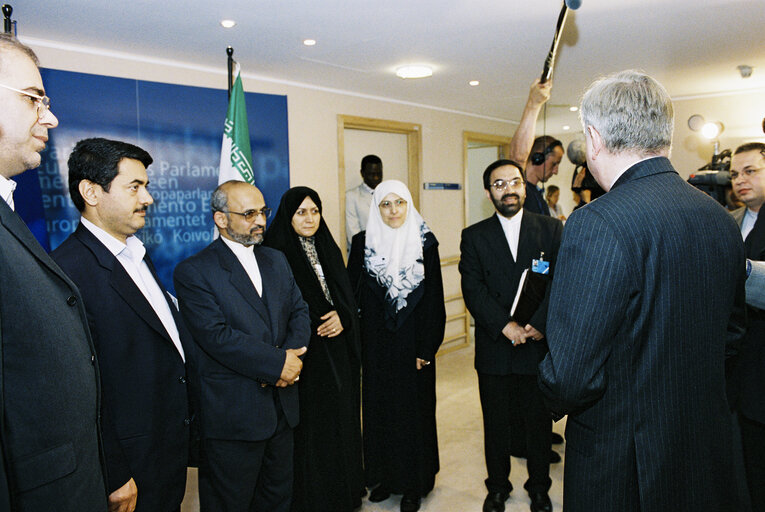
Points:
[[292, 366], [539, 93], [422, 363], [331, 327], [533, 333], [124, 498], [515, 333]]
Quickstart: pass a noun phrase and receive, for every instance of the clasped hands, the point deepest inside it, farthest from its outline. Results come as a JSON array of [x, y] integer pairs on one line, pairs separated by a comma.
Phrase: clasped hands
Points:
[[518, 335], [292, 366]]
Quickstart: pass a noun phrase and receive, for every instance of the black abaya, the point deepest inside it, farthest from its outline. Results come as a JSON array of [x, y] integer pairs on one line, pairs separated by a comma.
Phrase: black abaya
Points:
[[399, 401], [328, 462]]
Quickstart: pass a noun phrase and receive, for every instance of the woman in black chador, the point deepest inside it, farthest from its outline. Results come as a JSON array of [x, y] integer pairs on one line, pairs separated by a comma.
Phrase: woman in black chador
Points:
[[328, 464], [395, 269]]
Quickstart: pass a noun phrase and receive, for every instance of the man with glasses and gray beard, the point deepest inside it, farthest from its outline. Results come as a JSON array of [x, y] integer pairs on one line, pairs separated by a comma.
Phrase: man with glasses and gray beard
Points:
[[494, 254], [251, 326], [638, 346]]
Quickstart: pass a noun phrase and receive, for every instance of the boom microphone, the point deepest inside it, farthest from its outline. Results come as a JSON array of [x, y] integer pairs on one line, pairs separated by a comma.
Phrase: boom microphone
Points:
[[550, 60], [576, 152]]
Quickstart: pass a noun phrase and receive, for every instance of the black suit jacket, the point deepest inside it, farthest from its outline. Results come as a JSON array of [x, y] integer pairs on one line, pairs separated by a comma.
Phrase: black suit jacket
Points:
[[241, 339], [490, 279], [650, 277], [48, 383], [145, 403], [749, 374]]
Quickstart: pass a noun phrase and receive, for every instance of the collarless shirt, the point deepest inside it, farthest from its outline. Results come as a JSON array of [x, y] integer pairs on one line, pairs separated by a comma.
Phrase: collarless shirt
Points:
[[358, 201], [131, 256], [512, 229], [747, 223], [246, 256], [6, 191]]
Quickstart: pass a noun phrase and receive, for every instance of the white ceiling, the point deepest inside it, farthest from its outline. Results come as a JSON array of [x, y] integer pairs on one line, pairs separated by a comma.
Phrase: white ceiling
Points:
[[691, 46]]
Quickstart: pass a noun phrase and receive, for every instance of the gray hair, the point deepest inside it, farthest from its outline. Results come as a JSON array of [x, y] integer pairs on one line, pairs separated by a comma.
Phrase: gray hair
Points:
[[219, 198], [9, 43], [631, 111]]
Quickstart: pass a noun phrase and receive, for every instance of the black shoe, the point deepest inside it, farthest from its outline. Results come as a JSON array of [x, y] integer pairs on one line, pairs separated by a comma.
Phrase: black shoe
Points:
[[554, 457], [379, 494], [540, 502], [494, 502], [557, 438], [410, 503]]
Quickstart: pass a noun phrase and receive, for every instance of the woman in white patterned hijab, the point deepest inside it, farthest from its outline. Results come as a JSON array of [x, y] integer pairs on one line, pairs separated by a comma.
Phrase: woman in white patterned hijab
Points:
[[395, 236]]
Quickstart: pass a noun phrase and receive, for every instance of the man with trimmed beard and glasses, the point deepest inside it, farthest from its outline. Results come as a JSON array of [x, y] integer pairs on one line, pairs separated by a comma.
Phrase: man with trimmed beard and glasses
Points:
[[494, 254], [49, 387], [141, 343], [250, 325]]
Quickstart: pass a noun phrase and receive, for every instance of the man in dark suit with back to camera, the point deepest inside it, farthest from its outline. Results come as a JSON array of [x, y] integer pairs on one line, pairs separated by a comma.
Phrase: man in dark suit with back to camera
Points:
[[140, 340], [48, 375], [251, 326], [747, 172], [638, 344], [494, 254]]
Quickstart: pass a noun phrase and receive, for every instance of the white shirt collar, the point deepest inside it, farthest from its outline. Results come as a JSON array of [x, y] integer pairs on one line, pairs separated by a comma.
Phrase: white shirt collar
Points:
[[239, 249], [366, 188], [134, 246], [513, 222], [6, 191]]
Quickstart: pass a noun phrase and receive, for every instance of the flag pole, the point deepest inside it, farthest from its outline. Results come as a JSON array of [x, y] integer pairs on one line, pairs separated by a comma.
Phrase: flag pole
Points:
[[7, 23], [230, 53]]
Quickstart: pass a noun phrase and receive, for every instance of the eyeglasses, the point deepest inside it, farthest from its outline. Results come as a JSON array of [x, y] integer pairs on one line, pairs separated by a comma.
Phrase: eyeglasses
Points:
[[387, 205], [503, 184], [251, 215], [41, 102], [734, 175]]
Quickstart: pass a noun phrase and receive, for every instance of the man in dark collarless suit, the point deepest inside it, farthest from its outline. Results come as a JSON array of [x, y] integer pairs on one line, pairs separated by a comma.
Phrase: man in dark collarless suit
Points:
[[49, 434], [748, 180], [141, 342], [251, 326], [494, 254], [648, 289]]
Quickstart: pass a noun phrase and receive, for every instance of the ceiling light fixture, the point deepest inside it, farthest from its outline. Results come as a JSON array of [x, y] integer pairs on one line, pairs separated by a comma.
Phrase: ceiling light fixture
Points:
[[473, 83], [566, 127], [709, 130], [573, 108], [415, 71], [309, 42], [227, 23]]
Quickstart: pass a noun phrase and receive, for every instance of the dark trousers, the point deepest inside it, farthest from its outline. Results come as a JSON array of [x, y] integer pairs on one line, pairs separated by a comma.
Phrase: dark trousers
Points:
[[502, 396], [247, 476], [753, 444]]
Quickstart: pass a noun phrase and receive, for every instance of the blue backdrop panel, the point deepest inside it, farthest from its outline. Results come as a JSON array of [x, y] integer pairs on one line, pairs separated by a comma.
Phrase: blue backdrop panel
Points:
[[181, 127]]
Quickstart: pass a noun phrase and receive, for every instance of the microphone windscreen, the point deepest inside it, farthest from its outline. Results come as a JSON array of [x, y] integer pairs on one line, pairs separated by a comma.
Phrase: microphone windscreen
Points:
[[573, 4], [576, 152]]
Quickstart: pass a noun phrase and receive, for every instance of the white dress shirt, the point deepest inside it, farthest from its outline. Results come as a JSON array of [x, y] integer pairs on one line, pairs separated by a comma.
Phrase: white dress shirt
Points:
[[246, 256], [130, 256], [6, 191], [358, 200], [512, 229], [747, 223]]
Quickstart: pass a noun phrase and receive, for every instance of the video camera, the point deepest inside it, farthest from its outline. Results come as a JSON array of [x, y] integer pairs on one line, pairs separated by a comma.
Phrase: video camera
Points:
[[714, 177]]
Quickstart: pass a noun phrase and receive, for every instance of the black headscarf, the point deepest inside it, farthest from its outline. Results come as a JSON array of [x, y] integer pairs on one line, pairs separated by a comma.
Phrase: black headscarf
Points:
[[281, 235]]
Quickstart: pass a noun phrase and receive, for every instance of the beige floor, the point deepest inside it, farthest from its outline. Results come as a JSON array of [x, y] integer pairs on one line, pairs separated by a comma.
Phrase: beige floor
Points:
[[459, 484]]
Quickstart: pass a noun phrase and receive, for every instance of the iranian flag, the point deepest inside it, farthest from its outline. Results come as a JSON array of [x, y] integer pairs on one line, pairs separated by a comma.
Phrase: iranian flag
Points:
[[235, 154]]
